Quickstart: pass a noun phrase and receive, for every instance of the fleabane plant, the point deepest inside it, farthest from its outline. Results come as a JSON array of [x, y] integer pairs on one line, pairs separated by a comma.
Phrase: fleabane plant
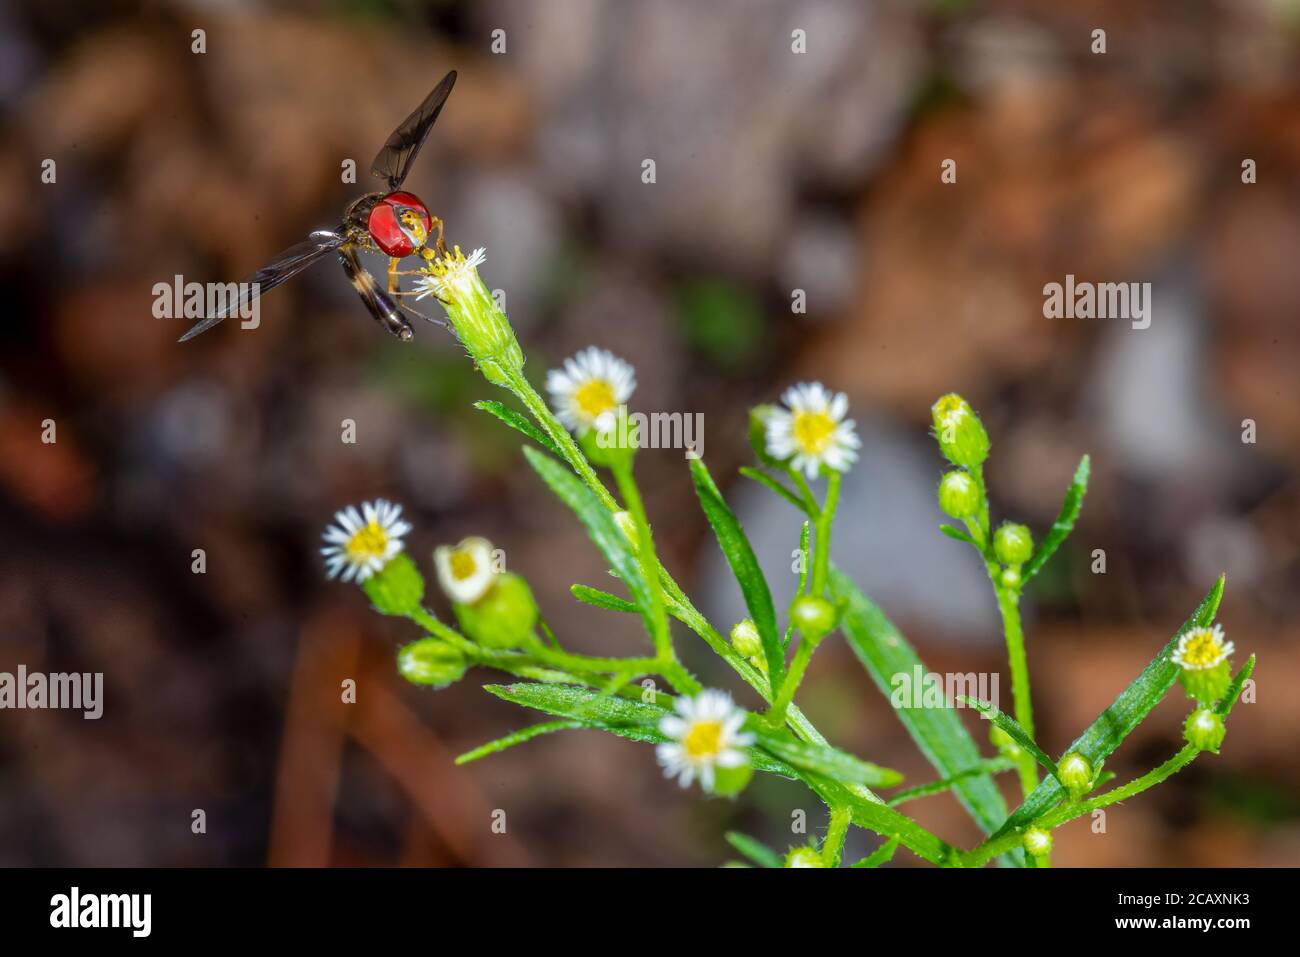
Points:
[[716, 739]]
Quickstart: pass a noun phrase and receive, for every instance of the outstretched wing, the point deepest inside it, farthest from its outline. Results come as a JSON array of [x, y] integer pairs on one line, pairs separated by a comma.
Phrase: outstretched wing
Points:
[[289, 263], [394, 161]]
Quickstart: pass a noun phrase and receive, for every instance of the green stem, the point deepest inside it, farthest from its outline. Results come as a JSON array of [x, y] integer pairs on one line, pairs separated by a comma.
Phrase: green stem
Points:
[[802, 655], [1009, 606], [822, 541], [646, 556], [833, 846]]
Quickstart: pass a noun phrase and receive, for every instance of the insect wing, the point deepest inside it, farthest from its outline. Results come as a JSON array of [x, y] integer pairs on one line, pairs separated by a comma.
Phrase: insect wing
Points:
[[394, 161], [284, 266]]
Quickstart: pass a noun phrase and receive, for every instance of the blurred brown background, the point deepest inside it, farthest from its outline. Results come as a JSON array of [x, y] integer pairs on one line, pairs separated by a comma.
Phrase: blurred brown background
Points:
[[775, 171]]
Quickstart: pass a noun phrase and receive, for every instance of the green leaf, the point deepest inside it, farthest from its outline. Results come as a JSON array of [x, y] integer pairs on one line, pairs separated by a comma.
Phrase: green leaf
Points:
[[601, 599], [880, 855], [768, 482], [953, 532], [827, 761], [1225, 705], [1124, 714], [988, 766], [600, 524], [759, 853], [1012, 727], [938, 732], [740, 556], [1064, 522], [625, 717], [519, 423], [398, 589], [517, 737]]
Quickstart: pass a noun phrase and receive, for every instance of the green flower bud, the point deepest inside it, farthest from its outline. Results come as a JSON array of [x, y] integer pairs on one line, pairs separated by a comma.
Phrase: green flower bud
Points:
[[481, 326], [813, 617], [504, 617], [1011, 576], [804, 857], [1005, 744], [1204, 729], [1202, 655], [432, 662], [612, 440], [1038, 842], [1013, 544], [961, 435], [1076, 774], [745, 639], [1206, 685], [959, 496]]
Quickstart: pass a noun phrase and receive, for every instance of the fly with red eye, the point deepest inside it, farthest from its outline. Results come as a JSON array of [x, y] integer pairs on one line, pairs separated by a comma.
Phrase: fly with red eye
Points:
[[396, 223]]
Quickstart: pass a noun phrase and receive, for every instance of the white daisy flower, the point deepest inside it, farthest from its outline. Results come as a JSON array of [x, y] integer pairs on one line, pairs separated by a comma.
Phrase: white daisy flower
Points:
[[592, 385], [1202, 648], [706, 735], [452, 276], [465, 571], [813, 431], [362, 543]]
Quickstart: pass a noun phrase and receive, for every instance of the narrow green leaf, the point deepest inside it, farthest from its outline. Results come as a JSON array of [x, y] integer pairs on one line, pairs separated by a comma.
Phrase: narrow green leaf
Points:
[[601, 599], [600, 524], [885, 821], [938, 732], [1012, 727], [740, 557], [1124, 714], [768, 482], [517, 737], [625, 717], [880, 855], [519, 423], [759, 853], [988, 766], [827, 761], [1225, 705], [953, 532], [1064, 522]]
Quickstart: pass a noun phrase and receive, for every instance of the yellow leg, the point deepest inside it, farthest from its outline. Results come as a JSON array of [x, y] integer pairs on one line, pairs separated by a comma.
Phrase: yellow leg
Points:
[[394, 282]]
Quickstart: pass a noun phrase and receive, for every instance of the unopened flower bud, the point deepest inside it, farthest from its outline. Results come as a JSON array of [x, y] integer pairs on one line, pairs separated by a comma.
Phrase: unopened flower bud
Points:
[[1013, 544], [960, 434], [804, 857], [1075, 773], [745, 639], [813, 617], [1202, 655], [1204, 729], [431, 662], [959, 496], [1038, 842], [504, 617]]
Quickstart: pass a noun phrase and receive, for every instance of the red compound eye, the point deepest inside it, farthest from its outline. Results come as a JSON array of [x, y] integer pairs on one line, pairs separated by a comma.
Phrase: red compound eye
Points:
[[390, 234]]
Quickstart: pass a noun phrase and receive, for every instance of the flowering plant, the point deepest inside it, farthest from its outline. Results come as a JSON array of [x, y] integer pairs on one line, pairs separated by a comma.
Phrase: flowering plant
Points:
[[702, 736]]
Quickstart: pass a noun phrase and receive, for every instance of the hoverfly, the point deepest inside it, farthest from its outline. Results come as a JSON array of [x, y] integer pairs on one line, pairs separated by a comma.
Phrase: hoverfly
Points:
[[396, 223]]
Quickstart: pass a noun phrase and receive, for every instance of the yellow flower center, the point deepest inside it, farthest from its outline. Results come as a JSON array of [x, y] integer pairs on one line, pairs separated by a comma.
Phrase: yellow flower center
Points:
[[813, 431], [463, 565], [704, 740], [370, 541], [594, 399], [950, 409], [1202, 650]]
